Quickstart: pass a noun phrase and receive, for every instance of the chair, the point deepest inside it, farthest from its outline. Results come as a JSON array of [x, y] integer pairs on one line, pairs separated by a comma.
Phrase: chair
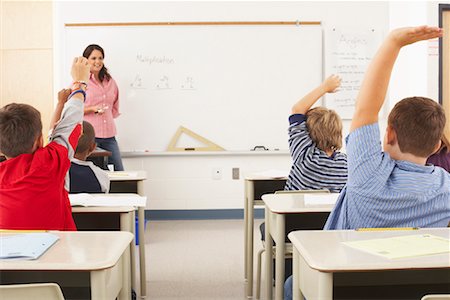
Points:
[[436, 297], [288, 253], [38, 291]]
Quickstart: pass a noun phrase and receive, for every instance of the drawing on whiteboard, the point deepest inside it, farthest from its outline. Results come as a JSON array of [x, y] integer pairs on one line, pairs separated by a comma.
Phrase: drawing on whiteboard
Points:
[[188, 84], [137, 82], [154, 59], [163, 83]]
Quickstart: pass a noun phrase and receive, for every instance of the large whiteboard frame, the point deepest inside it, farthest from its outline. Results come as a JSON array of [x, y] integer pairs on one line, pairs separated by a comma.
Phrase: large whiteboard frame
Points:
[[272, 120]]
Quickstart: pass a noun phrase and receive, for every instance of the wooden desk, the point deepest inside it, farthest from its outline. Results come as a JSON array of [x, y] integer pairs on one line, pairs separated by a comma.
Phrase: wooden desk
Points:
[[278, 207], [318, 268], [255, 187], [133, 184], [103, 257], [100, 157]]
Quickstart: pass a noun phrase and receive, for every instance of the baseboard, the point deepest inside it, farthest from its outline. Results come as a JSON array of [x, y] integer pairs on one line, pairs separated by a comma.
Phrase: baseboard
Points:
[[200, 214]]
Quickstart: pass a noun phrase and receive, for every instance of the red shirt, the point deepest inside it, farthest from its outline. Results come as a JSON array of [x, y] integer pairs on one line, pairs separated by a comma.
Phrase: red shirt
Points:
[[32, 193]]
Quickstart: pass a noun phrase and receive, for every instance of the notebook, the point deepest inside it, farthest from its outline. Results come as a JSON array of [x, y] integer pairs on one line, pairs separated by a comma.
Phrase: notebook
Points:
[[84, 199], [26, 245]]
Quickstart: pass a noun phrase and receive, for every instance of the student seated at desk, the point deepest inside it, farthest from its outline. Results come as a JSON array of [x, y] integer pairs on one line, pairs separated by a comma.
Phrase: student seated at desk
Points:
[[32, 193], [442, 157], [394, 187], [85, 177]]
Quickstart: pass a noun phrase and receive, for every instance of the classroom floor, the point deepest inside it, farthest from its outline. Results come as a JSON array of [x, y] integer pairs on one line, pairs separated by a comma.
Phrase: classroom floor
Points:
[[196, 259]]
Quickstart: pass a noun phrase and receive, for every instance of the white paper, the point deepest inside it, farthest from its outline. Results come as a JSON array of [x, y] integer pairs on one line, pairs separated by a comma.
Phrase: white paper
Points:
[[25, 246], [318, 199], [84, 199]]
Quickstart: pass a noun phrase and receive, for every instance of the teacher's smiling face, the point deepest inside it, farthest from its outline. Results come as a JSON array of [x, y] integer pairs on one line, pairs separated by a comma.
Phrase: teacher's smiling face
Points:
[[96, 61]]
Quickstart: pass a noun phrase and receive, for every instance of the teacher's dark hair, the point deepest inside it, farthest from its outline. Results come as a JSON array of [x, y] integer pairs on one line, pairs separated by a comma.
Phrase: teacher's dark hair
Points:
[[104, 71]]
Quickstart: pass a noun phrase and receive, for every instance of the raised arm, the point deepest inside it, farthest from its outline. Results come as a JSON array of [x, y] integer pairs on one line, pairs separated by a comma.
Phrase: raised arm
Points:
[[328, 86], [376, 80], [63, 95]]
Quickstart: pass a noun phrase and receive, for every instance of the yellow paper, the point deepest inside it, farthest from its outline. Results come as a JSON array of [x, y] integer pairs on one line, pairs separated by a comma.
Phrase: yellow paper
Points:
[[404, 246]]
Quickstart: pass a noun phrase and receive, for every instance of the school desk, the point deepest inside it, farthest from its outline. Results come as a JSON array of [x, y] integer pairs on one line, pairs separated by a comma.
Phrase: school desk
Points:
[[133, 182], [255, 187], [277, 208], [107, 218], [99, 260], [322, 264], [100, 157]]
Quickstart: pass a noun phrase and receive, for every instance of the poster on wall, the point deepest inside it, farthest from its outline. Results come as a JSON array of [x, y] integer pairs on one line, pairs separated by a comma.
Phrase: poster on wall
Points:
[[347, 54]]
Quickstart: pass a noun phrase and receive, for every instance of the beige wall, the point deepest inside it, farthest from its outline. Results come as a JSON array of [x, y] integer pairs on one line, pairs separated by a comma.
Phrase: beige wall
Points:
[[26, 60]]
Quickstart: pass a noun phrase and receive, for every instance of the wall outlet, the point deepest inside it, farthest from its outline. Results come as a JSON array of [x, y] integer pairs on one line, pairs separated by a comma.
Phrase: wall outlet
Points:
[[216, 173], [235, 173]]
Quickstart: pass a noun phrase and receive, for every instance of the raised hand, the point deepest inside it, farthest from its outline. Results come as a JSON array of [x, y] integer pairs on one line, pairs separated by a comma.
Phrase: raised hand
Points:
[[80, 69], [409, 35], [331, 83]]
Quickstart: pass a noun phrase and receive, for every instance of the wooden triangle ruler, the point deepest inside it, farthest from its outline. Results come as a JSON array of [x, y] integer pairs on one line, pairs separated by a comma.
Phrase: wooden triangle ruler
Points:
[[209, 146]]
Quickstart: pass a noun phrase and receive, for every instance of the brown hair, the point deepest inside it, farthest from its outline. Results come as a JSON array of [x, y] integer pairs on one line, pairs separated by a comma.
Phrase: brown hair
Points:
[[103, 71], [325, 128], [419, 124], [86, 139], [20, 126]]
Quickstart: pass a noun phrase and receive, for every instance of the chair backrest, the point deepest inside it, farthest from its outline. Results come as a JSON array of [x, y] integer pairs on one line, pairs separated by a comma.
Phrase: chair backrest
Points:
[[302, 192], [436, 297], [38, 291]]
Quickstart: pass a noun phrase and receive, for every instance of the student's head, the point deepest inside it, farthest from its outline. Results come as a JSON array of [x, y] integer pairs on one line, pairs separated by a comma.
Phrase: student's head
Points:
[[325, 128], [415, 126], [95, 55], [86, 143], [20, 129]]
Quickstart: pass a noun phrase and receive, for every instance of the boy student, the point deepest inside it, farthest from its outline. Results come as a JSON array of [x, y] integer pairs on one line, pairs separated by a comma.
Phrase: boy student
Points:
[[393, 188], [85, 177], [32, 194]]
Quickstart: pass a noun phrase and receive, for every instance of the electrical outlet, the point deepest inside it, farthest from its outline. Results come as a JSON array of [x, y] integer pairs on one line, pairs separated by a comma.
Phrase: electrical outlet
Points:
[[235, 173], [216, 173]]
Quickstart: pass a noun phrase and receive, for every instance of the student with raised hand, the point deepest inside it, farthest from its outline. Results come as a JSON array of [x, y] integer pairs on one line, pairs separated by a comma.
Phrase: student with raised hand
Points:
[[394, 187], [32, 193], [315, 138], [85, 177]]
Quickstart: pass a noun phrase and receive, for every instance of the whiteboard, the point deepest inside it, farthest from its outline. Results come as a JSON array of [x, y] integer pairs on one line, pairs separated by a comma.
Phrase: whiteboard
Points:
[[233, 85], [348, 55]]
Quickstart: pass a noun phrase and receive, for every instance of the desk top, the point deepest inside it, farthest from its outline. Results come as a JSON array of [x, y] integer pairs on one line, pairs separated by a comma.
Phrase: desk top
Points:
[[77, 251], [295, 203], [127, 175], [323, 250]]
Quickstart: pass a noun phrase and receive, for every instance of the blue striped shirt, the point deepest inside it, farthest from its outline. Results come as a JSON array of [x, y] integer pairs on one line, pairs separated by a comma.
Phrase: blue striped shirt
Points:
[[312, 168], [383, 192]]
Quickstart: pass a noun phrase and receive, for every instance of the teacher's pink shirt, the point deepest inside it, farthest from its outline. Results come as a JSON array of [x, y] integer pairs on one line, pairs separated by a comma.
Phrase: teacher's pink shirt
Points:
[[104, 95]]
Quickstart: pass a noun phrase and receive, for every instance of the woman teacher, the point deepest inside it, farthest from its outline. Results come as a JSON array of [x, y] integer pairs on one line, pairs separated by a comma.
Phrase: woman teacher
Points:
[[102, 104]]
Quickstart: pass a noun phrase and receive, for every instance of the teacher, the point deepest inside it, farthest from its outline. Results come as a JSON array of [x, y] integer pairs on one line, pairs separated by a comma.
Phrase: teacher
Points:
[[102, 104]]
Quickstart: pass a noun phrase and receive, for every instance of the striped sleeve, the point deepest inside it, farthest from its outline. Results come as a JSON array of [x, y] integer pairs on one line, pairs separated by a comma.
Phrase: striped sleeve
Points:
[[299, 139]]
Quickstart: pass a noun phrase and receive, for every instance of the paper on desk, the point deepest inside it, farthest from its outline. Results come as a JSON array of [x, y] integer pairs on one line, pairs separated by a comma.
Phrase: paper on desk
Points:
[[318, 199], [84, 199], [121, 174], [25, 246], [404, 246], [275, 174]]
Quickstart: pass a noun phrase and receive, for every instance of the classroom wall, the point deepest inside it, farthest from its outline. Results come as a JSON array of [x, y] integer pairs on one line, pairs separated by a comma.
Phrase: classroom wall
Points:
[[185, 181], [26, 68]]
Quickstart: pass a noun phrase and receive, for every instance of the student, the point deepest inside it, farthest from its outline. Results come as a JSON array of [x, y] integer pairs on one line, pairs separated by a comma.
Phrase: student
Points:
[[85, 177], [393, 188], [32, 178], [442, 157], [315, 138]]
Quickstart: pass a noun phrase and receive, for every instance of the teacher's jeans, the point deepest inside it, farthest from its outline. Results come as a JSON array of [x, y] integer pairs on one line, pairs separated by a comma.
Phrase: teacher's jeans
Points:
[[111, 145]]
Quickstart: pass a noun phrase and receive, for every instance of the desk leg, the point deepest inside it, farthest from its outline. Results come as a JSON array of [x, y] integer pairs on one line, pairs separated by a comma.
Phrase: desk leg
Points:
[[268, 253], [141, 221], [125, 292], [280, 255], [314, 285], [98, 285], [246, 197], [250, 225], [127, 224], [296, 293]]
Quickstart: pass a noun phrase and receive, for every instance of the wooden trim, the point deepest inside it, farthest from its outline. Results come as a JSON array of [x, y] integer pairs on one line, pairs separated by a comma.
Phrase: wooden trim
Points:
[[298, 23], [444, 64]]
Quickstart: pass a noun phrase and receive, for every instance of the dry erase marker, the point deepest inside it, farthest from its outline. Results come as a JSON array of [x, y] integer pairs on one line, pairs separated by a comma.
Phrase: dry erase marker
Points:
[[386, 228]]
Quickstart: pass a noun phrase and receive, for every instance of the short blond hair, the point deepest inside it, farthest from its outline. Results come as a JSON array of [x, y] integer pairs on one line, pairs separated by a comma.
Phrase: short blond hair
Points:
[[325, 128]]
